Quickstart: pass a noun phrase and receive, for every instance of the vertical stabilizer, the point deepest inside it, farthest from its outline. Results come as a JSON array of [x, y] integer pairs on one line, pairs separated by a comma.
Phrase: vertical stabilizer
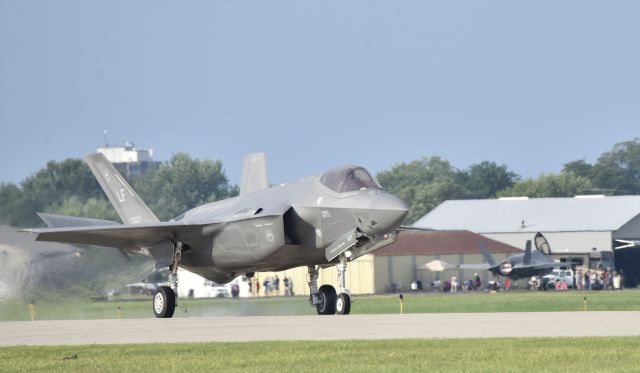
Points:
[[254, 173], [128, 205], [487, 255], [527, 253]]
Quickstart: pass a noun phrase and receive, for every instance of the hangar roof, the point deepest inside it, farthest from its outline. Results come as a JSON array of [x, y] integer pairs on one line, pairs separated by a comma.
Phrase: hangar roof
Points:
[[441, 243], [516, 215]]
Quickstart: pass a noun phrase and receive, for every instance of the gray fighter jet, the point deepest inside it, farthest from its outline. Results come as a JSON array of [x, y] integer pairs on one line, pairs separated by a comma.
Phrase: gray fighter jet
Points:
[[532, 263], [318, 221]]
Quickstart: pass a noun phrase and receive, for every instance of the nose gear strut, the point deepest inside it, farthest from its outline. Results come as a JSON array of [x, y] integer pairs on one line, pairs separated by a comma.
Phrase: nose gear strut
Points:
[[325, 299], [343, 302]]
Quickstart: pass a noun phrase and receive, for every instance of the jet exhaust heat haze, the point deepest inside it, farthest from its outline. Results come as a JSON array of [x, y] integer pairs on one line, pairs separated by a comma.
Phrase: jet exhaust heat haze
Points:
[[35, 271], [318, 221]]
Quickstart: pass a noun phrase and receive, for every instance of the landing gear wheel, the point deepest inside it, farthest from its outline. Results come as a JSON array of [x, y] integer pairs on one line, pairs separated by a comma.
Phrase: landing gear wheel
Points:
[[328, 304], [343, 304], [164, 302]]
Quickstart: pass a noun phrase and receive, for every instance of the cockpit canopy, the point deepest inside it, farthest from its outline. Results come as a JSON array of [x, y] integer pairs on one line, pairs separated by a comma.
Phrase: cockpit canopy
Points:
[[348, 179]]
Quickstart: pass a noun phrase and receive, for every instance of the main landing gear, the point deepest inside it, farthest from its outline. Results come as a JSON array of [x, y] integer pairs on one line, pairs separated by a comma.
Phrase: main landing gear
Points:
[[325, 299], [165, 297]]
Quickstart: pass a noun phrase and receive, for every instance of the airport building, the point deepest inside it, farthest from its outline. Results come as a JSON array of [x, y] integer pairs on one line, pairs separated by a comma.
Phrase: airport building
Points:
[[129, 160], [578, 229], [400, 266]]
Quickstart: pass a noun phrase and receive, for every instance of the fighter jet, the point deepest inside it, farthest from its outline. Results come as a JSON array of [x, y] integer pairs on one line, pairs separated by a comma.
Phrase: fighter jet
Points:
[[318, 221], [532, 263]]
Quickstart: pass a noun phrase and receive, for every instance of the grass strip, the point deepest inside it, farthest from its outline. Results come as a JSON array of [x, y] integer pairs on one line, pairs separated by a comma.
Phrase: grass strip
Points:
[[445, 355], [521, 301]]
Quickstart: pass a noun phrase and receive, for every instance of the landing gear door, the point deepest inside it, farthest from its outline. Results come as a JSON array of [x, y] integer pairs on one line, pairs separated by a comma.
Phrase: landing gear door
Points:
[[342, 244]]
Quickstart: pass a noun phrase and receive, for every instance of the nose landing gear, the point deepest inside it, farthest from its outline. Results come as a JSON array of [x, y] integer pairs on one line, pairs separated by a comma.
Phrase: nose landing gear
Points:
[[325, 299]]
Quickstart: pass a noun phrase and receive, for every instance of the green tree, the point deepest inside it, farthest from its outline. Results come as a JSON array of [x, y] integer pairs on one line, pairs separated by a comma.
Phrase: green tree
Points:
[[181, 184], [60, 180], [619, 169], [69, 188], [91, 208], [46, 190], [15, 207], [423, 184], [579, 168], [549, 185], [486, 179]]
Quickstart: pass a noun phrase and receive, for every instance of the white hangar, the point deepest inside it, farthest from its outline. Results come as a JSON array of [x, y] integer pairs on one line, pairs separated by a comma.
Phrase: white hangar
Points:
[[578, 229]]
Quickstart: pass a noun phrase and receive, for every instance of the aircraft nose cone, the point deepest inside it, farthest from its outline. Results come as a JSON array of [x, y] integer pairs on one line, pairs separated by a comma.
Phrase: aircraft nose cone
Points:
[[389, 212]]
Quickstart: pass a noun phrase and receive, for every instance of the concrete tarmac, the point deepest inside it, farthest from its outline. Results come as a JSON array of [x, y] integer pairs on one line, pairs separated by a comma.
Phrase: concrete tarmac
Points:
[[263, 328]]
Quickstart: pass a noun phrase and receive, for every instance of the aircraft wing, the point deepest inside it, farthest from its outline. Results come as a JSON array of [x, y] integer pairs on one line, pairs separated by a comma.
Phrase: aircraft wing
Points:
[[130, 237], [479, 266], [542, 265], [414, 229]]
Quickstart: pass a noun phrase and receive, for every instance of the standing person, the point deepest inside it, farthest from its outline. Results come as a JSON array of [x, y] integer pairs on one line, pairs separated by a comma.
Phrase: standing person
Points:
[[610, 279], [621, 278], [276, 285], [257, 287], [285, 282], [579, 280], [587, 280], [534, 284], [267, 287], [454, 284], [478, 284], [616, 281], [507, 283]]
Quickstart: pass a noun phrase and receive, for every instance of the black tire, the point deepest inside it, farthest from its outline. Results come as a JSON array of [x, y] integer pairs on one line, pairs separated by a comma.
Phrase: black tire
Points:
[[328, 304], [164, 302], [343, 304]]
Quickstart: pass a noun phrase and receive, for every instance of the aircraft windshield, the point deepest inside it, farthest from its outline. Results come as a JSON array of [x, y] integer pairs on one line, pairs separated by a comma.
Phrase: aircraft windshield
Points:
[[348, 179]]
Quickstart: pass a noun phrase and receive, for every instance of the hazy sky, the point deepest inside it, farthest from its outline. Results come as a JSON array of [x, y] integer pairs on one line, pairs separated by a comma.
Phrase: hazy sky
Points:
[[319, 84]]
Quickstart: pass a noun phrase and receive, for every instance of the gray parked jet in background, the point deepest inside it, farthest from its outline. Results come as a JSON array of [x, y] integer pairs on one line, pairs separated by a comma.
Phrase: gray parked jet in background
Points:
[[532, 263], [318, 221]]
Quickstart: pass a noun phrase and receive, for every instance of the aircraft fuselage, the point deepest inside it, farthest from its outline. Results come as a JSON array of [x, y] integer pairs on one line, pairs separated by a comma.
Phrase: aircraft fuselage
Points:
[[284, 226]]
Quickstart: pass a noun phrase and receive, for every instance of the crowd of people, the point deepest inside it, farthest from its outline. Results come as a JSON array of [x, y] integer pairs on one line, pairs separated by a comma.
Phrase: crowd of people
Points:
[[271, 286], [453, 285], [590, 279], [599, 280], [605, 279]]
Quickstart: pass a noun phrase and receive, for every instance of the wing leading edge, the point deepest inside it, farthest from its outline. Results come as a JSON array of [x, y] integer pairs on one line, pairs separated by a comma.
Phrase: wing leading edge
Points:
[[130, 237]]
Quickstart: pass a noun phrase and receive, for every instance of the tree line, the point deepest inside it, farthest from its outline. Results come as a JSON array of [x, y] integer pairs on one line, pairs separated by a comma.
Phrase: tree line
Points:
[[69, 188], [181, 183]]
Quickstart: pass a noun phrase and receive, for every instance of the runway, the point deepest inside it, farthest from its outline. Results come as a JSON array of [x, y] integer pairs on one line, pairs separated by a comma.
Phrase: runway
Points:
[[262, 328]]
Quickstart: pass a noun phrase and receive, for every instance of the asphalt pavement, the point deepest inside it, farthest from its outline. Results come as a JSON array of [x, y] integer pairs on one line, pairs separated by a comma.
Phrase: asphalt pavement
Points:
[[263, 328]]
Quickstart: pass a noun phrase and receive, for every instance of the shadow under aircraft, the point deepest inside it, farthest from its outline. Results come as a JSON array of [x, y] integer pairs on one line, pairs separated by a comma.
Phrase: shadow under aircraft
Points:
[[318, 221], [536, 262]]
